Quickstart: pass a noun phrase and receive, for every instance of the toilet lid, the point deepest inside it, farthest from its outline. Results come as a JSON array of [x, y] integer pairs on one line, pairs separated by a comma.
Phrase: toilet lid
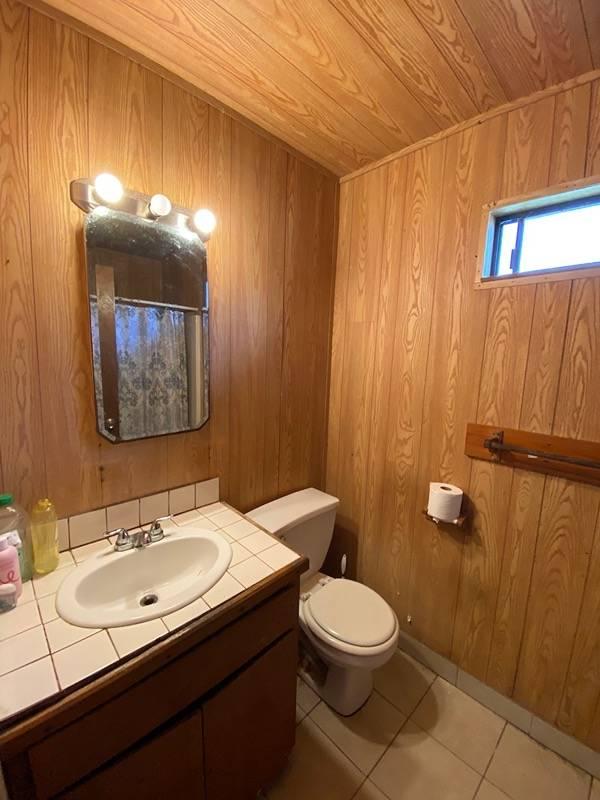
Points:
[[352, 613]]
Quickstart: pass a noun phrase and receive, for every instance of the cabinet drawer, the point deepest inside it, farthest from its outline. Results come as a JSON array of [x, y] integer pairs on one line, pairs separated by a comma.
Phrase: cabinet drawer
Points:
[[169, 764], [66, 756]]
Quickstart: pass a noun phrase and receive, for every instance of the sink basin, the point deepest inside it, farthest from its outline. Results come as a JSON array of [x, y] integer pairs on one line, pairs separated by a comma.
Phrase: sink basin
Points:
[[114, 589]]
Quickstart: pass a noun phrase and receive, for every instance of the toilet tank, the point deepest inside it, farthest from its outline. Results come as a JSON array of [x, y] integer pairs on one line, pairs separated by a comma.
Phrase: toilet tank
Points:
[[304, 520]]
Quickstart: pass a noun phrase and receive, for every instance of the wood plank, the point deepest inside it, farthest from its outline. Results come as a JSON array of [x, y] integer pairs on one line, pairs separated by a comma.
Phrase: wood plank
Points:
[[205, 45], [254, 177], [591, 15], [21, 441], [526, 165], [452, 34], [376, 475], [309, 275], [58, 154], [185, 164], [418, 268], [593, 154], [338, 336], [126, 140], [318, 40], [472, 175], [530, 45], [275, 302], [571, 122], [365, 249], [394, 33], [219, 283]]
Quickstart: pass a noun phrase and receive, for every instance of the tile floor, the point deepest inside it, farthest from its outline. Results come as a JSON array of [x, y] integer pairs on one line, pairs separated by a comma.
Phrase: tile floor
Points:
[[420, 737]]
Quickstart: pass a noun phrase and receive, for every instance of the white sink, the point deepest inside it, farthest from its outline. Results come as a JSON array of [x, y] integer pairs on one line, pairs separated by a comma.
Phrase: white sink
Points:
[[114, 589]]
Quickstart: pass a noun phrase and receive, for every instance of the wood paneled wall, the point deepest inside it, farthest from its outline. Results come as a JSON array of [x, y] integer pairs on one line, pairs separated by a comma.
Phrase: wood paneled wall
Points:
[[70, 107], [417, 353]]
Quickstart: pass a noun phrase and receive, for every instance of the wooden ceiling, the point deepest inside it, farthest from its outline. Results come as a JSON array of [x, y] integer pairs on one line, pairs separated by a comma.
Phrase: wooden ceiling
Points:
[[349, 81]]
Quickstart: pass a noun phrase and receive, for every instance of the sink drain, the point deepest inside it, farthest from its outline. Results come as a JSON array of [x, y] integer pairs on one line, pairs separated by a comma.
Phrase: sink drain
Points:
[[149, 600]]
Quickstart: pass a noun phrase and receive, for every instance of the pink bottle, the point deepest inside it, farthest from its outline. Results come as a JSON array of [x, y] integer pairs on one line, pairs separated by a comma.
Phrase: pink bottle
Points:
[[9, 566]]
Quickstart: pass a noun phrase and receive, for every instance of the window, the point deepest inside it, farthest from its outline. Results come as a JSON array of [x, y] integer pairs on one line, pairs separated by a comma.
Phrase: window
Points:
[[559, 232]]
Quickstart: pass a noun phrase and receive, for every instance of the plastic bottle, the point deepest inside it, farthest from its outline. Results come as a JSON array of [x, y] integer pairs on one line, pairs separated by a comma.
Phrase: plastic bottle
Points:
[[14, 518], [9, 566], [44, 537]]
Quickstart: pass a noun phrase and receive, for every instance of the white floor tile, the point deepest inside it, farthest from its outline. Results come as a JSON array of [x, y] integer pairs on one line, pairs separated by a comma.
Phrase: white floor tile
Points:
[[416, 766], [525, 770], [487, 791], [368, 791], [207, 492], [129, 638], [212, 509], [250, 571], [316, 769], [306, 697], [26, 686], [403, 681], [207, 524], [27, 595], [365, 735], [186, 614], [188, 518], [464, 726], [21, 618], [84, 658], [22, 649]]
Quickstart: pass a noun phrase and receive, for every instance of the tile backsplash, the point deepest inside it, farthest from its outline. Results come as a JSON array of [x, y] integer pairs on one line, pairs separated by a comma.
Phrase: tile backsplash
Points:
[[93, 525]]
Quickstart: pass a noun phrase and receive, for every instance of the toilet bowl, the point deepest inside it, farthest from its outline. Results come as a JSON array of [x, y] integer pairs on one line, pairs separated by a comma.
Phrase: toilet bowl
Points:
[[350, 627]]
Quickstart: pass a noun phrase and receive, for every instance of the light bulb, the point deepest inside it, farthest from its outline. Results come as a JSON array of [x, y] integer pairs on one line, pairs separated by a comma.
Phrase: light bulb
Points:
[[159, 205], [205, 221], [108, 188]]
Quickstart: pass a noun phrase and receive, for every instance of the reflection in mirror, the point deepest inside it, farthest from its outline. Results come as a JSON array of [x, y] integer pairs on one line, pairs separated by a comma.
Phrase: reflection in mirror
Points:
[[148, 297]]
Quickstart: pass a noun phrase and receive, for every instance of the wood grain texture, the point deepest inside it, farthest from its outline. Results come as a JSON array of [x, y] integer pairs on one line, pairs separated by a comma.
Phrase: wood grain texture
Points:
[[530, 45], [125, 138], [58, 139], [515, 600], [472, 174], [185, 165], [23, 471], [69, 121], [306, 328], [347, 82], [412, 327]]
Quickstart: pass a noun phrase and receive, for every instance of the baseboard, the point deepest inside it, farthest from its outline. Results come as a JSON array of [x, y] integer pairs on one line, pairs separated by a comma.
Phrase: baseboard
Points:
[[547, 735]]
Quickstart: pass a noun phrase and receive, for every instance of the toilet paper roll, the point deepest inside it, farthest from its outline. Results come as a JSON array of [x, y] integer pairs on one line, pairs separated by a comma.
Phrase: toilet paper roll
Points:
[[445, 501]]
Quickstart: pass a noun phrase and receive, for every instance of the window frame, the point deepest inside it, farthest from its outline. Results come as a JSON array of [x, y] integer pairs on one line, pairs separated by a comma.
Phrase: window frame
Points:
[[573, 194]]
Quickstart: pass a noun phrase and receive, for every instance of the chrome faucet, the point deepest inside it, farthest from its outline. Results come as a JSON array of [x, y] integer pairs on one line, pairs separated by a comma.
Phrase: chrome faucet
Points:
[[129, 541]]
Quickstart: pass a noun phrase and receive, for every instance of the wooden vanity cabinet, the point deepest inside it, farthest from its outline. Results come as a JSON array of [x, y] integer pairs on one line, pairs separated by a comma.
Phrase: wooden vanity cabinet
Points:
[[215, 720]]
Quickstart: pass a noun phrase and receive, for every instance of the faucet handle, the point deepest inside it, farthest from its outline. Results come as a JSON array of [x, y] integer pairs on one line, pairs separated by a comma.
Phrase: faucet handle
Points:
[[123, 540], [155, 531]]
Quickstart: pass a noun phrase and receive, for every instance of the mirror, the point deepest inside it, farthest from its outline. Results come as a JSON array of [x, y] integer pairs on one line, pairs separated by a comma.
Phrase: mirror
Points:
[[148, 296]]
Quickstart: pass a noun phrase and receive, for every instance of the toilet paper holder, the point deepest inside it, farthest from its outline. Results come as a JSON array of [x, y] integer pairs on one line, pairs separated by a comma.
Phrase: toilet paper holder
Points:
[[459, 522]]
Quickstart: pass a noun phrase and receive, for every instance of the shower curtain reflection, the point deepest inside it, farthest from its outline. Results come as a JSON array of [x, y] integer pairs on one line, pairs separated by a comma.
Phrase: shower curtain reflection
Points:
[[152, 372]]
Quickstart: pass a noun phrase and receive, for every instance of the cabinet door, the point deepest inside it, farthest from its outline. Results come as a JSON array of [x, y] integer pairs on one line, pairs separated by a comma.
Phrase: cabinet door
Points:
[[169, 765], [250, 724]]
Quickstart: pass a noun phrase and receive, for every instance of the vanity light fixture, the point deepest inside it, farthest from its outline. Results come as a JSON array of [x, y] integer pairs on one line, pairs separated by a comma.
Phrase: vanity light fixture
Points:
[[108, 188], [205, 222], [159, 206]]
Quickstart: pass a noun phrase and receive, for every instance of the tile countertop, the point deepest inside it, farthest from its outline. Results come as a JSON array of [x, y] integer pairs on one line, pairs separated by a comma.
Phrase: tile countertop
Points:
[[41, 654]]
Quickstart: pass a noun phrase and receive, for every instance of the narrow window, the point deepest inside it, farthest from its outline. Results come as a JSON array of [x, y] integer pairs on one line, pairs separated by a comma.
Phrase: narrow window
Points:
[[549, 234]]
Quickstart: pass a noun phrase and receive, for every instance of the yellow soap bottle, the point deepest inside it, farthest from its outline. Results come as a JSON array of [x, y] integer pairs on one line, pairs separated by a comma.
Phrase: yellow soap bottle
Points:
[[44, 537]]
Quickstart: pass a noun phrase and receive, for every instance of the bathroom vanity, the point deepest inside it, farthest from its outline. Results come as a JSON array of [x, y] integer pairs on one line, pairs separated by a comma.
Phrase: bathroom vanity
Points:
[[208, 712]]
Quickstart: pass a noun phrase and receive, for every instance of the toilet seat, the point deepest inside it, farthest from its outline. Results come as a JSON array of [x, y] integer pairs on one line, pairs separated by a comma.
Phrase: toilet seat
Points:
[[350, 617]]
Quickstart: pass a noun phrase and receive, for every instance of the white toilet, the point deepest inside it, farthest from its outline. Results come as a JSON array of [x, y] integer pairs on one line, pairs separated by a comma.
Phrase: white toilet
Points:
[[351, 627]]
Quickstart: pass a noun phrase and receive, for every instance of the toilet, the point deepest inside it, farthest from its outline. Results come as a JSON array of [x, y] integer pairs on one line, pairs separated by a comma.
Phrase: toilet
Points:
[[351, 628]]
